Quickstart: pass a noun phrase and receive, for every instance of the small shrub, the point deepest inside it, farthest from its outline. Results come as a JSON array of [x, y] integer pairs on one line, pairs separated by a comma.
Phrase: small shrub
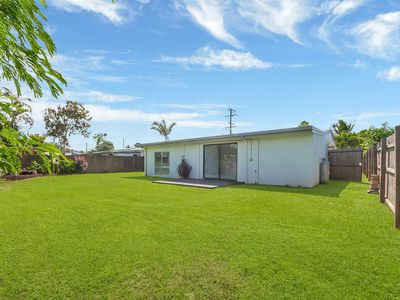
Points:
[[184, 169], [39, 168], [66, 167], [81, 164]]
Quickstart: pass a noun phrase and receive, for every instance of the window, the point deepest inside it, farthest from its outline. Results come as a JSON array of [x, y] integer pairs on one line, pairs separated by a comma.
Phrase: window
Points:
[[161, 163]]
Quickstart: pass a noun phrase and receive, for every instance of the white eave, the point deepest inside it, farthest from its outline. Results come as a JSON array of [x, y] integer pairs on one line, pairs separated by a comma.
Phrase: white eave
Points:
[[240, 136]]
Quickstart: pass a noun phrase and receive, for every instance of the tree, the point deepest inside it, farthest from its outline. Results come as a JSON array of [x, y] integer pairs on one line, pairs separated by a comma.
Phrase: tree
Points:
[[25, 47], [304, 124], [14, 144], [344, 135], [163, 128], [63, 121], [101, 143], [373, 135], [20, 112], [342, 126]]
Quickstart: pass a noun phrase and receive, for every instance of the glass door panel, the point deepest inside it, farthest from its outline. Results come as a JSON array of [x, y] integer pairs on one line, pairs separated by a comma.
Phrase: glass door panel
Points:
[[228, 161], [211, 161]]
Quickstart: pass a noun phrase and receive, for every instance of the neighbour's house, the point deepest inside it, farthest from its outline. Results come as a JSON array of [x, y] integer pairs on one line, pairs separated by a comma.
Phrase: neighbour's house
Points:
[[136, 152], [289, 156]]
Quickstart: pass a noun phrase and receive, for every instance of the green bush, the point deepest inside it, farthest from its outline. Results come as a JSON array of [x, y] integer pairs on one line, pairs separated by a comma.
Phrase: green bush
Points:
[[39, 168], [66, 167]]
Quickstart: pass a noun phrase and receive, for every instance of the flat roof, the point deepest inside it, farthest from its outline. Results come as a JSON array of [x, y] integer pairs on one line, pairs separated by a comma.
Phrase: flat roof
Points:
[[240, 135]]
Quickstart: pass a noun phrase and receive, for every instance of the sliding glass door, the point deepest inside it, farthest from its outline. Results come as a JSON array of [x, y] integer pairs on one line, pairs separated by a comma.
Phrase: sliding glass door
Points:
[[220, 161]]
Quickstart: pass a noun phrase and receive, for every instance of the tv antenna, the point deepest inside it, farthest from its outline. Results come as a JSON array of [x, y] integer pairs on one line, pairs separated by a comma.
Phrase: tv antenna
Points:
[[231, 114]]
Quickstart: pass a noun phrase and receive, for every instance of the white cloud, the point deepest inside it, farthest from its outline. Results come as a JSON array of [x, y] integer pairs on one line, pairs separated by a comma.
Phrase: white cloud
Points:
[[358, 64], [116, 13], [77, 65], [334, 11], [227, 59], [210, 124], [106, 78], [391, 74], [367, 117], [102, 113], [340, 8], [93, 95], [279, 17], [196, 106], [210, 15], [379, 37]]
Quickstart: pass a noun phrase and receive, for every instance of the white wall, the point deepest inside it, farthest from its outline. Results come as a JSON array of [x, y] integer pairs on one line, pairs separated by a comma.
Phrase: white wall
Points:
[[284, 159], [320, 146]]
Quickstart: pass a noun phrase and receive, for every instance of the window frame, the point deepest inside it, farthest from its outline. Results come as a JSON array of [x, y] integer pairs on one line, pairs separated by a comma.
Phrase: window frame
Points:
[[161, 168]]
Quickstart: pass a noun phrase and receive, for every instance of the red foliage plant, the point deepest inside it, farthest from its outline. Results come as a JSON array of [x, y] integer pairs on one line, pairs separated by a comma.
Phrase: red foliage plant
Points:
[[81, 164]]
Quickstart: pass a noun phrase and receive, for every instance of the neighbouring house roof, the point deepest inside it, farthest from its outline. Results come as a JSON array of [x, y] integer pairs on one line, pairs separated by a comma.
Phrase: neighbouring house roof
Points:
[[237, 136], [115, 152]]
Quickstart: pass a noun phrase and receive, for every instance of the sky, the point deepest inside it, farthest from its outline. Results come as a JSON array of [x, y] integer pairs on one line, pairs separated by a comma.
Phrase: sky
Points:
[[276, 62]]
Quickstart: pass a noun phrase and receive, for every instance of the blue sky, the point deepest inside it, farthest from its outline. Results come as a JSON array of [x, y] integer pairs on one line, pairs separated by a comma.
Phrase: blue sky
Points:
[[276, 62]]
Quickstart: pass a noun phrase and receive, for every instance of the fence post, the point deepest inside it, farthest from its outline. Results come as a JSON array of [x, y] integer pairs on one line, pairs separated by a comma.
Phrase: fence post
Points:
[[382, 179], [397, 177]]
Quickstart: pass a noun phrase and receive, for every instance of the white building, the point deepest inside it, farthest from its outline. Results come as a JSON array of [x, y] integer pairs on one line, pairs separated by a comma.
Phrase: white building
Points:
[[289, 156]]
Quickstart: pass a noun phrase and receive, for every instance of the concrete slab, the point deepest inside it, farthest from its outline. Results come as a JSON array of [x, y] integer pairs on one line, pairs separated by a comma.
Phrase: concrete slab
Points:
[[198, 183]]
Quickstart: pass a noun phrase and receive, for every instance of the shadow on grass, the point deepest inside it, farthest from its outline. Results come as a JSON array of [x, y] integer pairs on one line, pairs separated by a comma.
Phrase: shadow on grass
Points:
[[145, 178], [331, 189]]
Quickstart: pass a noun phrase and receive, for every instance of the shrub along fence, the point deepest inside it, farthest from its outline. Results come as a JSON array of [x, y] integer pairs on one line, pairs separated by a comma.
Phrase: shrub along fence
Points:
[[383, 159], [110, 164], [100, 163]]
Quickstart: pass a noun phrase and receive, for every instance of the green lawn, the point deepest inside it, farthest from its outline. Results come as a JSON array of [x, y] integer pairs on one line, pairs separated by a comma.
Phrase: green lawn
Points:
[[121, 236]]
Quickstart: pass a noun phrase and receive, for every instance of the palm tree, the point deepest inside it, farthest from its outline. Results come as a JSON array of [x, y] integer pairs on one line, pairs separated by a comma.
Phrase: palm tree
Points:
[[163, 128], [342, 127]]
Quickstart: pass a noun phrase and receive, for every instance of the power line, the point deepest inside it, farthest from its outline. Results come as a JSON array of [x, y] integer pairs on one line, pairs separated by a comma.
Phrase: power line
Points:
[[232, 113]]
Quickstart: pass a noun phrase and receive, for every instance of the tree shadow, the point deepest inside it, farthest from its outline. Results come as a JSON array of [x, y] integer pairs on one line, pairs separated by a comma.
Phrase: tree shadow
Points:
[[332, 189]]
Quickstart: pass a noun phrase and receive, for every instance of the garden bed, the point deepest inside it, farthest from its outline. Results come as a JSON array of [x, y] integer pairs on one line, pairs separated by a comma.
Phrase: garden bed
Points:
[[21, 177]]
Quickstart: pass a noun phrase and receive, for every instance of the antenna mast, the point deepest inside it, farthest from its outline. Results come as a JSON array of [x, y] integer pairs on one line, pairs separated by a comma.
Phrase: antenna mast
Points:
[[231, 114]]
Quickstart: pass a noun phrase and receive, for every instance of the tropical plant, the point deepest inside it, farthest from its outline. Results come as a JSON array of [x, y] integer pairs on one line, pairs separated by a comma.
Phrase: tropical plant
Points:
[[373, 135], [344, 135], [184, 168], [347, 140], [66, 120], [20, 110], [342, 126], [163, 128], [25, 47], [36, 166], [304, 124], [101, 143], [15, 144]]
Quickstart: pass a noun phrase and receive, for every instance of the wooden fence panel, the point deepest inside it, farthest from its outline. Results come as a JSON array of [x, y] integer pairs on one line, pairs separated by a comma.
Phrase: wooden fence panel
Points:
[[346, 164], [384, 159], [111, 164]]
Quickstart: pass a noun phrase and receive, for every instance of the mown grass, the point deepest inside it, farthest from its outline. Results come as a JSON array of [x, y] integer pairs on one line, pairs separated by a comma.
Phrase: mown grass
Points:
[[121, 236]]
